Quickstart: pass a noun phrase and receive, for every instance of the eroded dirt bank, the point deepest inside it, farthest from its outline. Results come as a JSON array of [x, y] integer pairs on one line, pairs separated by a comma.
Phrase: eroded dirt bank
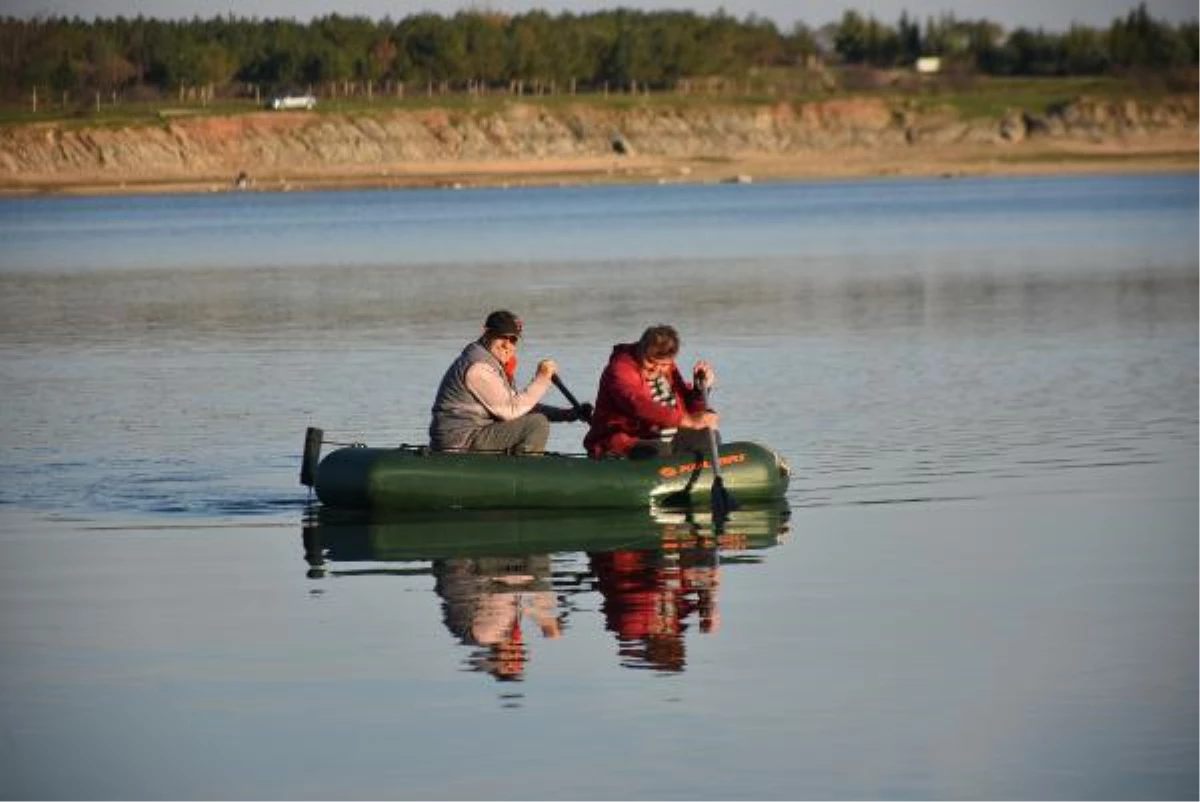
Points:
[[528, 143]]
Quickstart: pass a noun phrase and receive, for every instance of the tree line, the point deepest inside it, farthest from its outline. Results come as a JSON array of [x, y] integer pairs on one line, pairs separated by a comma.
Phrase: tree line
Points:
[[483, 49]]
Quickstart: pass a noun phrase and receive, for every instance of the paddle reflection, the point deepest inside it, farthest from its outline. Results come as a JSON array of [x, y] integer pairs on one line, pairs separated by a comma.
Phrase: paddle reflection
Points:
[[505, 579]]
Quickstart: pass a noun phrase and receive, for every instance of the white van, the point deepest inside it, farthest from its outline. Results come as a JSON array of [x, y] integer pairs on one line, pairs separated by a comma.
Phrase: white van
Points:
[[291, 100]]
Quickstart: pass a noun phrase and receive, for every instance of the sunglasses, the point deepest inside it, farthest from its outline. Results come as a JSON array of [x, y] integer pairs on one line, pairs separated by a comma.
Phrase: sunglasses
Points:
[[511, 338]]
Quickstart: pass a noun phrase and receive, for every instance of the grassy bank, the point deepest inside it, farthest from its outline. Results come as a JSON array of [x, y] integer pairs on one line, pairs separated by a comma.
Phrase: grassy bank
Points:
[[966, 97]]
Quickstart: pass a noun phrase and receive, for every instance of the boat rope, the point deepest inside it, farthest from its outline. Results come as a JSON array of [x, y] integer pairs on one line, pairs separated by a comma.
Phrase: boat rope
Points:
[[425, 449], [512, 452]]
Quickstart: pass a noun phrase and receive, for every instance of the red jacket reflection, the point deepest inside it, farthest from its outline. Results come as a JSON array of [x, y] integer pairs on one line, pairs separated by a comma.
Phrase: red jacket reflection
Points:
[[648, 598]]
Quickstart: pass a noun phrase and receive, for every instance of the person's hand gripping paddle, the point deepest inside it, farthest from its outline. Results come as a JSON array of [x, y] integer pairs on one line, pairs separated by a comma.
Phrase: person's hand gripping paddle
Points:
[[584, 412]]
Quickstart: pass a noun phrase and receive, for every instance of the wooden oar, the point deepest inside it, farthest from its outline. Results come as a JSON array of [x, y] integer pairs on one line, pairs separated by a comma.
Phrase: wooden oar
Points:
[[723, 501], [562, 388]]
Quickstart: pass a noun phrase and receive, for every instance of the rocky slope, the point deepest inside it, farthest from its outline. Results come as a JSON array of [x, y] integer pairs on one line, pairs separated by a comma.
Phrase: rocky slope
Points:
[[278, 145]]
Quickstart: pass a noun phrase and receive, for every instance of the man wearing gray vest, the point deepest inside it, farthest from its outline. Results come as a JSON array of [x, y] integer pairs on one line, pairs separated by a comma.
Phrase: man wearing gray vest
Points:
[[478, 406]]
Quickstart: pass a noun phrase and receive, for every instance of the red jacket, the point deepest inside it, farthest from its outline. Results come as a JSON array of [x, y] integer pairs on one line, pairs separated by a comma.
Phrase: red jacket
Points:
[[625, 411]]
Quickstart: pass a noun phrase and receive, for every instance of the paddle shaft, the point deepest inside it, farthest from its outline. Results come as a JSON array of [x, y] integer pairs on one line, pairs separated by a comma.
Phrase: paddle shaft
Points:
[[722, 500], [562, 388], [712, 439]]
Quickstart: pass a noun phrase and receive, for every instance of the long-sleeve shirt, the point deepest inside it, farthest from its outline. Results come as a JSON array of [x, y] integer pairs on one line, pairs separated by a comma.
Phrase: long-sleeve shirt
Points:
[[491, 388]]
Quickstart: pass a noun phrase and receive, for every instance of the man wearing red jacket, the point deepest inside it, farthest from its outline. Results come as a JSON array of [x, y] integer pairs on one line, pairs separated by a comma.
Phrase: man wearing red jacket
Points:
[[644, 407]]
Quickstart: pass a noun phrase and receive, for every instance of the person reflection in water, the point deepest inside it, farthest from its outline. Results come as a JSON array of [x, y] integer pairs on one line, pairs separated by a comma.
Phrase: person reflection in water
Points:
[[485, 601], [648, 598]]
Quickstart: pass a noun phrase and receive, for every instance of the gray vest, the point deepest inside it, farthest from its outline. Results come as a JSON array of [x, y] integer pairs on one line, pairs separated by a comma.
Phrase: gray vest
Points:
[[457, 415]]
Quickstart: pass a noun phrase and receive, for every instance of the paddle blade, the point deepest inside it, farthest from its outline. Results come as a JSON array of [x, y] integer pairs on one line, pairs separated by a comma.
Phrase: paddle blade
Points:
[[723, 501]]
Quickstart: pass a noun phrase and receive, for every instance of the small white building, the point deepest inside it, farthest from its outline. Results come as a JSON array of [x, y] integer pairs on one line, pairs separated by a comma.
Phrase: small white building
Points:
[[929, 65]]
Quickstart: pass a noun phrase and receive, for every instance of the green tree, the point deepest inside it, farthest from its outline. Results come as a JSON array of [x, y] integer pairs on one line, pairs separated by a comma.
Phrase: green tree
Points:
[[1084, 51], [1033, 52], [528, 47], [851, 38], [908, 39], [434, 49], [486, 45], [801, 44], [1188, 34]]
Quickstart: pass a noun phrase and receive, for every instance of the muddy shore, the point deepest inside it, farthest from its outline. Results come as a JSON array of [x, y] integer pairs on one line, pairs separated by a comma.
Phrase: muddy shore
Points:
[[1168, 156]]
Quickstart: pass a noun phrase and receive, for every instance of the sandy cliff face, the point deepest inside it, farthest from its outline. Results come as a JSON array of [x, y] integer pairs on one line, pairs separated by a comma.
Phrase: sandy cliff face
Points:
[[284, 144]]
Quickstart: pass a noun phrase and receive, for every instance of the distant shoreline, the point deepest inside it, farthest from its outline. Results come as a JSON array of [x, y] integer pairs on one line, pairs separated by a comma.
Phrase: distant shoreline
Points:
[[1018, 160]]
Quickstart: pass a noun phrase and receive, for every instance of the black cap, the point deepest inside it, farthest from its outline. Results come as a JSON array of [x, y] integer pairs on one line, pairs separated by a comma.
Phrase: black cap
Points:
[[503, 323]]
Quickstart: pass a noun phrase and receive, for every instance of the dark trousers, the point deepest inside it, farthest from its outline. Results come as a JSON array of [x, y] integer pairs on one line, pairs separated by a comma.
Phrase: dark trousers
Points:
[[685, 441], [525, 434]]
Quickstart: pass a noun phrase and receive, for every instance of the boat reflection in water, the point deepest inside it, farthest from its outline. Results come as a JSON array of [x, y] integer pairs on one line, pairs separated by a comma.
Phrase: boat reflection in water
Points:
[[505, 576]]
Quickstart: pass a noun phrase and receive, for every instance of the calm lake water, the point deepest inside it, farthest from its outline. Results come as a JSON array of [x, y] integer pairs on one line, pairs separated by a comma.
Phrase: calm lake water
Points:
[[983, 585]]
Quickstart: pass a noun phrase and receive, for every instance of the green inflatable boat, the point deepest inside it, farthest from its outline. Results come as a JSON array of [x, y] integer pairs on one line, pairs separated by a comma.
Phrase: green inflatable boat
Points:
[[416, 478]]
